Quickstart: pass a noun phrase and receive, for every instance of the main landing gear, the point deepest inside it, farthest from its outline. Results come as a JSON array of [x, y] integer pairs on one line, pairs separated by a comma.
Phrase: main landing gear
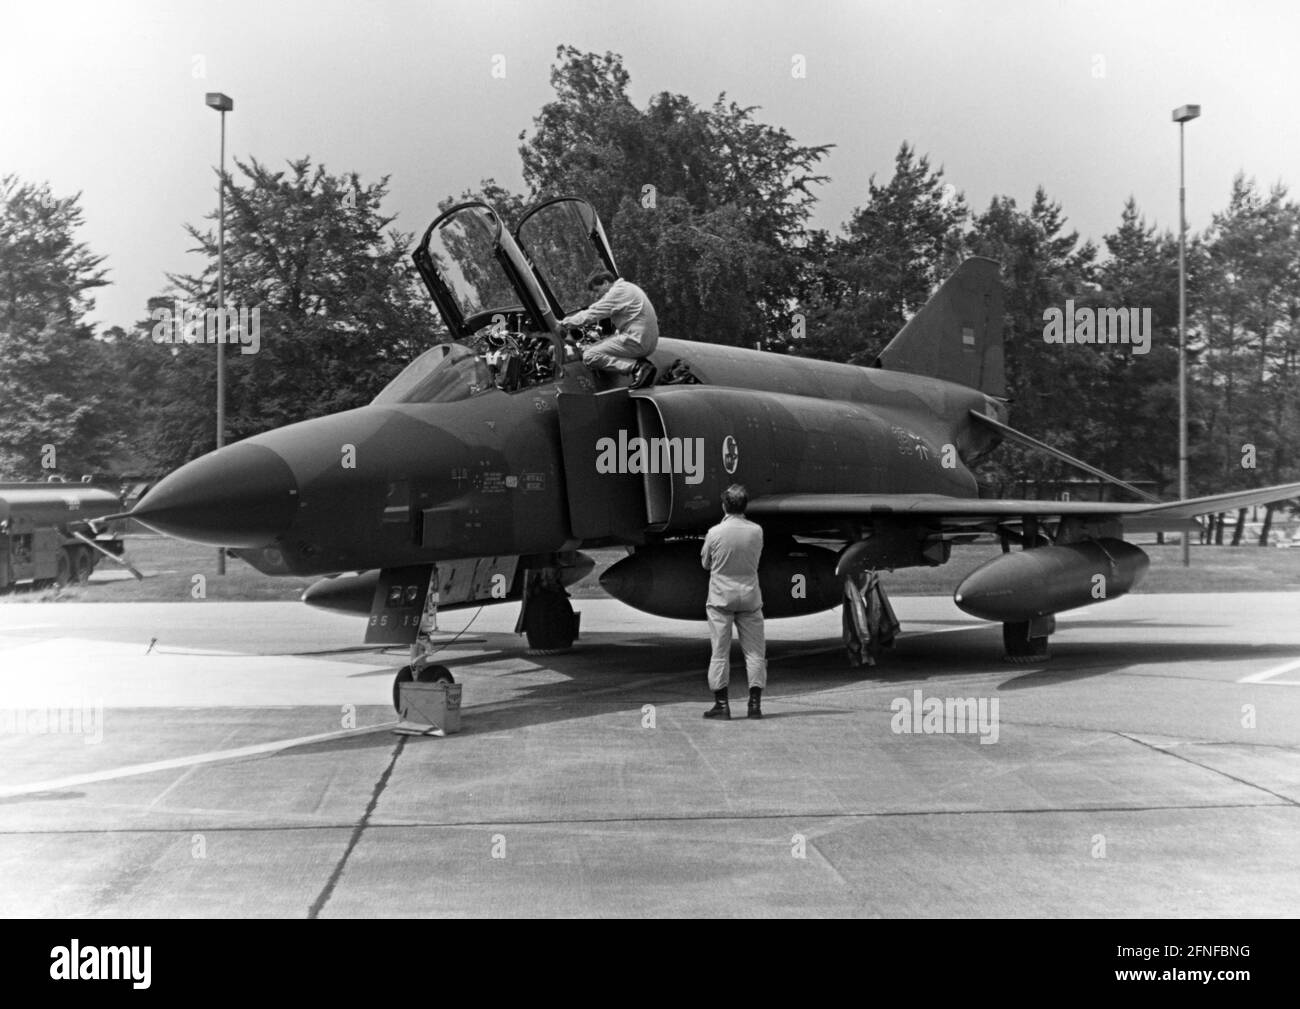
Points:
[[547, 617], [1026, 641], [868, 619]]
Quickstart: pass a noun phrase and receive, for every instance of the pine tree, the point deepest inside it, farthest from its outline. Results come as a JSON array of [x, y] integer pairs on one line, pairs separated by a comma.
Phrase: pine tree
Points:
[[894, 252], [1043, 265], [56, 401]]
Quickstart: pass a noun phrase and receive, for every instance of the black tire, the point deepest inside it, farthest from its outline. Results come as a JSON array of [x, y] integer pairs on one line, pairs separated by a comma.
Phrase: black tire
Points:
[[550, 623], [65, 568], [429, 674], [83, 564], [1020, 647], [435, 674]]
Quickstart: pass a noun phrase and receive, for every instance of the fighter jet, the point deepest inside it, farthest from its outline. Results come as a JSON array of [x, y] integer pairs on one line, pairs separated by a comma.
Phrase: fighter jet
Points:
[[485, 467]]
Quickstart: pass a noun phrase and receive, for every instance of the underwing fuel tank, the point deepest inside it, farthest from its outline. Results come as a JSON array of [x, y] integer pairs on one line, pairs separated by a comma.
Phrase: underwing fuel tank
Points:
[[1034, 583], [668, 580]]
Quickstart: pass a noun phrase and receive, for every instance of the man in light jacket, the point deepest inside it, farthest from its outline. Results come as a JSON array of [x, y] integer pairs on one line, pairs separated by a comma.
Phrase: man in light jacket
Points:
[[635, 323], [731, 552]]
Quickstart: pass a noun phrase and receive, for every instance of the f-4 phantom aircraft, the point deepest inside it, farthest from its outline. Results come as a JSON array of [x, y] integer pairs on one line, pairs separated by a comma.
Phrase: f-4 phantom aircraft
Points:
[[484, 468]]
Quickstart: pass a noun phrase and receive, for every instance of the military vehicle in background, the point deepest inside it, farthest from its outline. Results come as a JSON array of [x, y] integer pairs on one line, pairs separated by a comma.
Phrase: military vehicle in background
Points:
[[46, 535]]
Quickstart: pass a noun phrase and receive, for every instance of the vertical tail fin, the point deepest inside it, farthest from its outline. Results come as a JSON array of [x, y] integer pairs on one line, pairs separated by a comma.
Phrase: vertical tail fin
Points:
[[957, 334]]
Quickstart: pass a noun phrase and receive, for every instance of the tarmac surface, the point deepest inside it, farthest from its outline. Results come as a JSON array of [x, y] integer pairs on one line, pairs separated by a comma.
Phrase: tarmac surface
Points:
[[209, 759]]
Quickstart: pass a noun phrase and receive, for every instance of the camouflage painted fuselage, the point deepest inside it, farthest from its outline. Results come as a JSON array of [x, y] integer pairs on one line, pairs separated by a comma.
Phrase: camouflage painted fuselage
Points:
[[516, 473]]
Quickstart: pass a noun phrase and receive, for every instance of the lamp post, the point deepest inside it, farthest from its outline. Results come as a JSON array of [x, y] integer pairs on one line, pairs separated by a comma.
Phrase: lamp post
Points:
[[223, 104], [1182, 115]]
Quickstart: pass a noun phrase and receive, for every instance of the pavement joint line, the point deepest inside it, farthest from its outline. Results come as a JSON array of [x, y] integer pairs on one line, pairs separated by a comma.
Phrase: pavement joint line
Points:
[[719, 778], [666, 818], [1266, 675], [358, 829], [812, 843], [991, 772], [1213, 770], [197, 813], [211, 757], [184, 776], [1289, 747]]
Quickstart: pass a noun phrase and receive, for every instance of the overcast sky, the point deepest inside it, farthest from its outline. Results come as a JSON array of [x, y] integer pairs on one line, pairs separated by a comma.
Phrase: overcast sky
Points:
[[107, 98]]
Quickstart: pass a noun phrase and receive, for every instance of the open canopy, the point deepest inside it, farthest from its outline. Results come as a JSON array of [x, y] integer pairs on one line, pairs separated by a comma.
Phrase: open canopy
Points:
[[565, 243], [475, 272], [501, 295]]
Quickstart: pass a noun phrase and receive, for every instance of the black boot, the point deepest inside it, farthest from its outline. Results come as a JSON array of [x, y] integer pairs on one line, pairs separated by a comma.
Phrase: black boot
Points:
[[721, 706], [643, 374], [755, 702]]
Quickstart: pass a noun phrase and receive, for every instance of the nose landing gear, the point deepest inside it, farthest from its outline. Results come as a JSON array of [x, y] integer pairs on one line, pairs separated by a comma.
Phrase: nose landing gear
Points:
[[421, 669]]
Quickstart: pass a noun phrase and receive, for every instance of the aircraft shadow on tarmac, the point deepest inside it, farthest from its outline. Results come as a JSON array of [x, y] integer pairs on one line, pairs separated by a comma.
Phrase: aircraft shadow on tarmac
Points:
[[1078, 661], [604, 674], [1078, 651], [1142, 621], [608, 672]]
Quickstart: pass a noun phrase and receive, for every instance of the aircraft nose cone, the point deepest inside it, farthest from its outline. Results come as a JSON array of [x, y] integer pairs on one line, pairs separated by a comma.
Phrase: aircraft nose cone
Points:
[[243, 495]]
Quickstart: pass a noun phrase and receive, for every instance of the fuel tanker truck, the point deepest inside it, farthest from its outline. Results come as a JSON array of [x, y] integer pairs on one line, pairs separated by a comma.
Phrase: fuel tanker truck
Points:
[[46, 536]]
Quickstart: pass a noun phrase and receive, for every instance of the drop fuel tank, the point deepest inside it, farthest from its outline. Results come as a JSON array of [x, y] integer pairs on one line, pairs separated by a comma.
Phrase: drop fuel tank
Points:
[[1033, 583], [668, 580]]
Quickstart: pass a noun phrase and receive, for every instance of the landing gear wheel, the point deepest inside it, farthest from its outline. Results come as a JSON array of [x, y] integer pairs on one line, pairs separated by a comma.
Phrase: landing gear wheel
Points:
[[549, 622], [435, 674], [429, 674], [1020, 647], [83, 566], [64, 570]]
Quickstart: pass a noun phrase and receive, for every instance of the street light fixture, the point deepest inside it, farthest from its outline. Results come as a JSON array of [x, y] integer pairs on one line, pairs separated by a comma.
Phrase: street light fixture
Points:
[[1182, 115], [223, 104]]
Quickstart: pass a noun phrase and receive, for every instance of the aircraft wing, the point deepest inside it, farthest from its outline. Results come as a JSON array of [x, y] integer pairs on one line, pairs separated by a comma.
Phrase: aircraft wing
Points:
[[988, 513]]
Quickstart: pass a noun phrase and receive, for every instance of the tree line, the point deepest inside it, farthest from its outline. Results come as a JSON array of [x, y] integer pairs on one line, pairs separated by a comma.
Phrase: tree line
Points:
[[708, 208]]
